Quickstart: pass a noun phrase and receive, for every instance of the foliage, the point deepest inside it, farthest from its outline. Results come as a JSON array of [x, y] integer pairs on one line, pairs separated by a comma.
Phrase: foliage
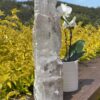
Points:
[[16, 62], [88, 33], [84, 14], [76, 50], [26, 9]]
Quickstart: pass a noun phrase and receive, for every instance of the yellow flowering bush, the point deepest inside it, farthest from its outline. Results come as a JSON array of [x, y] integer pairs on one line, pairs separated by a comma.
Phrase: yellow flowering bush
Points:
[[90, 34], [16, 62]]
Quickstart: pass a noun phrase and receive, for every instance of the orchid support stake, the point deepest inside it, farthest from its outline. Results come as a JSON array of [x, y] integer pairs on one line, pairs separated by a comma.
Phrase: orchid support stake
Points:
[[70, 30]]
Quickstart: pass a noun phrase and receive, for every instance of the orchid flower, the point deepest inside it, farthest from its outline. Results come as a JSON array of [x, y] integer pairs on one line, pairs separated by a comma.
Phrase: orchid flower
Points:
[[64, 10], [70, 24]]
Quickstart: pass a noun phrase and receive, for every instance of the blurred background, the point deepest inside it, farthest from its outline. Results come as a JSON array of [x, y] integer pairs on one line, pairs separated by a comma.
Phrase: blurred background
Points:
[[87, 12]]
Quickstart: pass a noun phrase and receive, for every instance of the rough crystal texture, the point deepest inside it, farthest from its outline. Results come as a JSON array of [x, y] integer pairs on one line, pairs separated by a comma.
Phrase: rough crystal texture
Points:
[[48, 67]]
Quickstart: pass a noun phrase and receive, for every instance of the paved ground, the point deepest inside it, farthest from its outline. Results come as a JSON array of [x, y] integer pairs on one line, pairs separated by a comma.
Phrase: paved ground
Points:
[[89, 81]]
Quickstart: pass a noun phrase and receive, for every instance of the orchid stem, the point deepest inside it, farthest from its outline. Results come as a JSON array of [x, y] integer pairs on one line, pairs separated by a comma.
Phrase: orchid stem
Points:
[[70, 42]]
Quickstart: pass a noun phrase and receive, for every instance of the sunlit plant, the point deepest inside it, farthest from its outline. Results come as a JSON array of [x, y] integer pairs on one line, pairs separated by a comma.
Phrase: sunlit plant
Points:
[[16, 62], [75, 51]]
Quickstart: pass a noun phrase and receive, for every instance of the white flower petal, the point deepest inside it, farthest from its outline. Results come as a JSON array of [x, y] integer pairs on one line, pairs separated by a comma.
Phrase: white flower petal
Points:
[[65, 25], [66, 9], [73, 22], [60, 11], [63, 6]]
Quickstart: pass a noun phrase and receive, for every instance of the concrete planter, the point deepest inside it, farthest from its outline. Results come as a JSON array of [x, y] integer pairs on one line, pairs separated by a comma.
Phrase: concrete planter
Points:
[[70, 76]]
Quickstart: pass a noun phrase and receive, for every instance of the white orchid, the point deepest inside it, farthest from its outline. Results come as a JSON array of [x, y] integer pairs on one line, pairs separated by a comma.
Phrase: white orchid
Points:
[[70, 24], [64, 10]]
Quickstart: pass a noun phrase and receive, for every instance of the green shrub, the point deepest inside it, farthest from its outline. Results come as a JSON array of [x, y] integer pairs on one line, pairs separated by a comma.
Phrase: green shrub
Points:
[[16, 61]]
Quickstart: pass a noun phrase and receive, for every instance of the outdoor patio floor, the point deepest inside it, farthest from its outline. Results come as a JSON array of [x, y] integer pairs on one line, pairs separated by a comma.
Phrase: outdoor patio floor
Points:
[[89, 81]]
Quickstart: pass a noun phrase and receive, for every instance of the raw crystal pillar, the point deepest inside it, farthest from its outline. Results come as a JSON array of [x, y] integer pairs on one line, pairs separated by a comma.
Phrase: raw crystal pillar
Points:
[[48, 67]]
